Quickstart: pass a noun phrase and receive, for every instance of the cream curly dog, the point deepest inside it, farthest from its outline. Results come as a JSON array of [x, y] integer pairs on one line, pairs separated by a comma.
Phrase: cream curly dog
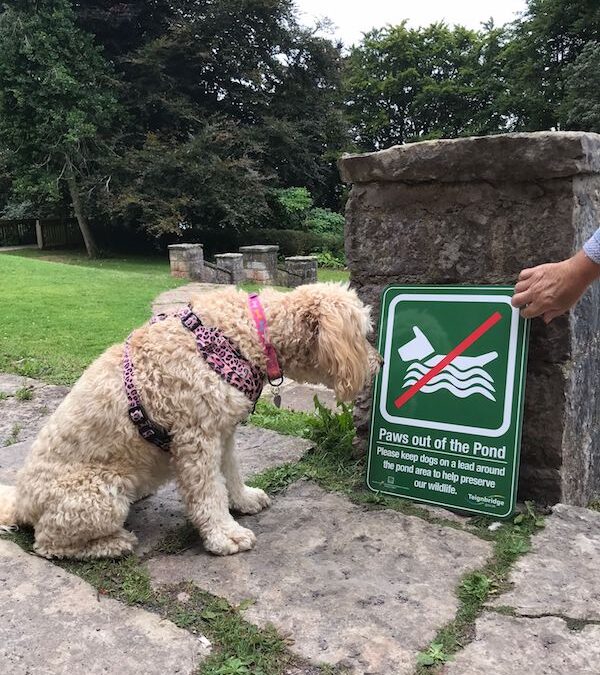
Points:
[[89, 463]]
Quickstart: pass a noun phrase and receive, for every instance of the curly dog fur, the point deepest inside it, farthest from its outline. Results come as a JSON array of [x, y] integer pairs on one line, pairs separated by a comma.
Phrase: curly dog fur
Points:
[[89, 464]]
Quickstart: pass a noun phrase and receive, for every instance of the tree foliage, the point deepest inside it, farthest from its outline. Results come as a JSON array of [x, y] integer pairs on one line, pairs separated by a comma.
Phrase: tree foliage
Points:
[[581, 106], [406, 84], [214, 118], [239, 70], [56, 102]]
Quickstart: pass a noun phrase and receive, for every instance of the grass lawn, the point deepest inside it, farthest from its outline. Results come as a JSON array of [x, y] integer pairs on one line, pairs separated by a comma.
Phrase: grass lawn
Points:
[[61, 310], [58, 317]]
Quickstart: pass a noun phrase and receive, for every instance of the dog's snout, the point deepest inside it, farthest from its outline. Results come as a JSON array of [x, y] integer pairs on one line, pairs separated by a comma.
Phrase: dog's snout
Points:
[[375, 360]]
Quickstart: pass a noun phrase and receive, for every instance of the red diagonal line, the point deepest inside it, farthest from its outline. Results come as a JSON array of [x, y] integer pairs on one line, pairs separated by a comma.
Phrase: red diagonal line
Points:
[[457, 351]]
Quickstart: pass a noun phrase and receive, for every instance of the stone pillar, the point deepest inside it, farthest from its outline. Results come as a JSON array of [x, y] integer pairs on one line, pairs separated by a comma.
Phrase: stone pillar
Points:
[[187, 260], [302, 269], [260, 263], [234, 263], [476, 211]]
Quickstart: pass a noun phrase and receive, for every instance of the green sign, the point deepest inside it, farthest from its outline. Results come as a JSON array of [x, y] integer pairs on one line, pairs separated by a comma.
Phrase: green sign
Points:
[[448, 401]]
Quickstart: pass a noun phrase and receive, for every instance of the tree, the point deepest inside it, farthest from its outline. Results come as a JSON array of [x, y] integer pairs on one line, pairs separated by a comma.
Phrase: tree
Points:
[[581, 107], [546, 40], [209, 183], [56, 104], [245, 64], [405, 85]]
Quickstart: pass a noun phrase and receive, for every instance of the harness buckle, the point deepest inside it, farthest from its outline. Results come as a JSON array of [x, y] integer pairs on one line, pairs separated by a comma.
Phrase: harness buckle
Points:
[[191, 321]]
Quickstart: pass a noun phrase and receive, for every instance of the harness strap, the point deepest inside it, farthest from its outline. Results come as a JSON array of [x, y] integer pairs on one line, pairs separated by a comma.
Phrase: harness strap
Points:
[[220, 355], [148, 430]]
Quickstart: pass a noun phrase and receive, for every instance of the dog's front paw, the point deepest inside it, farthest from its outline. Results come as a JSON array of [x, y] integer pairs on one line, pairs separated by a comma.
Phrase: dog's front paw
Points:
[[251, 500], [230, 540]]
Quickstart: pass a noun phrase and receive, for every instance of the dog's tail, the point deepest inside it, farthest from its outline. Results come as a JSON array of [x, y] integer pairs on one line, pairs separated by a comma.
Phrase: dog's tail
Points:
[[8, 508]]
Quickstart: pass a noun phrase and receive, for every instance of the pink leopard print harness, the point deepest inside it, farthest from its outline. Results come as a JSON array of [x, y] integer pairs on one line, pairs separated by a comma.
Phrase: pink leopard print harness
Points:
[[219, 353]]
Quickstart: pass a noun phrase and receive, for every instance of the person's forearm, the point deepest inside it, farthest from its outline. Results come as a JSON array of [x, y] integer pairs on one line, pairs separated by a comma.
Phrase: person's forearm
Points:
[[592, 247]]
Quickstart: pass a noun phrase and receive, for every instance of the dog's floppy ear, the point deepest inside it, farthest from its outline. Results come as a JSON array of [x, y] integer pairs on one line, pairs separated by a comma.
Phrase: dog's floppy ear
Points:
[[342, 347]]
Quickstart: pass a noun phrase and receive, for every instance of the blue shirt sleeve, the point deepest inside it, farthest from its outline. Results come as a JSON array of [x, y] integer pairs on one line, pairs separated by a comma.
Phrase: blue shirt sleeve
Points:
[[592, 247]]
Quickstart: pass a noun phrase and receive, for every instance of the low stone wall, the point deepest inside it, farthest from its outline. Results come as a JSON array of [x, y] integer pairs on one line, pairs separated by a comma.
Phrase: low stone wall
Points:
[[260, 263], [254, 263], [301, 269], [187, 261], [477, 211]]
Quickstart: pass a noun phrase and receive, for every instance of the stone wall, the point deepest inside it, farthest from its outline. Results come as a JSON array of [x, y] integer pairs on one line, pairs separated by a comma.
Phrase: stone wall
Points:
[[187, 261], [260, 263], [476, 211]]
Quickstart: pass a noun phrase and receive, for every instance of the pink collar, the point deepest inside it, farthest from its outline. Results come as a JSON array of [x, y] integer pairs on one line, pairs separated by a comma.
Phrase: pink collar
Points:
[[257, 311]]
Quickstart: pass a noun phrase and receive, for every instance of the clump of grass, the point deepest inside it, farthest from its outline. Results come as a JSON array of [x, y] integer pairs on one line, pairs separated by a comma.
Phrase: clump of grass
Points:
[[3, 396], [331, 464], [14, 435], [287, 422], [24, 394]]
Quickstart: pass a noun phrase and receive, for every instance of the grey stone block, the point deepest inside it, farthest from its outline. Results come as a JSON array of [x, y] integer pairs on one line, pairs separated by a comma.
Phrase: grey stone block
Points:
[[260, 263], [53, 622], [477, 211], [301, 269], [505, 645], [560, 574], [187, 260]]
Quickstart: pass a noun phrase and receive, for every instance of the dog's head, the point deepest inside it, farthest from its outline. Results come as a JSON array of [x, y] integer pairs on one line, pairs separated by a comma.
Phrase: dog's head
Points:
[[327, 339]]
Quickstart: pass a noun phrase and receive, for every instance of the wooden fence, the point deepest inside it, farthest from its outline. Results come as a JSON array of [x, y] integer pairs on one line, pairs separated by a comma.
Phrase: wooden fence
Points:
[[17, 232], [48, 233]]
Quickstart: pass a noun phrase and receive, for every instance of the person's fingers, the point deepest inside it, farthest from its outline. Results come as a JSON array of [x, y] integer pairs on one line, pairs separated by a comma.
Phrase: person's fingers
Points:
[[526, 273], [524, 298], [532, 310], [521, 286]]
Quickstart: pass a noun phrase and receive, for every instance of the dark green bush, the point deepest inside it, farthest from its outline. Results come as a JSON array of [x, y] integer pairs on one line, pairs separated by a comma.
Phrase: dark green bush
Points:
[[296, 242]]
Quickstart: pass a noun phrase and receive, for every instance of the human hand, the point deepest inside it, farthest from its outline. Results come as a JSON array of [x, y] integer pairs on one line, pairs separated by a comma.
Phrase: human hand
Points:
[[550, 290]]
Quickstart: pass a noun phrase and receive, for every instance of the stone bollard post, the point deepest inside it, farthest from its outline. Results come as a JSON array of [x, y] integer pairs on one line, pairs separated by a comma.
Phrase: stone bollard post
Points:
[[260, 263], [302, 269], [234, 263], [187, 260], [477, 211]]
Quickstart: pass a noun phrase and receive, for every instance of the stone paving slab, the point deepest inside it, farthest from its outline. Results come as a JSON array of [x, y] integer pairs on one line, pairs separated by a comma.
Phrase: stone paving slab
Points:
[[12, 458], [300, 397], [54, 623], [178, 298], [506, 645], [257, 450], [561, 573], [21, 420], [363, 589]]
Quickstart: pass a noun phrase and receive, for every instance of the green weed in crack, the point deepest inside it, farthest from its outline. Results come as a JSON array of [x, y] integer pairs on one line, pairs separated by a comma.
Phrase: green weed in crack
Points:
[[511, 541], [24, 394], [14, 435], [331, 463]]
